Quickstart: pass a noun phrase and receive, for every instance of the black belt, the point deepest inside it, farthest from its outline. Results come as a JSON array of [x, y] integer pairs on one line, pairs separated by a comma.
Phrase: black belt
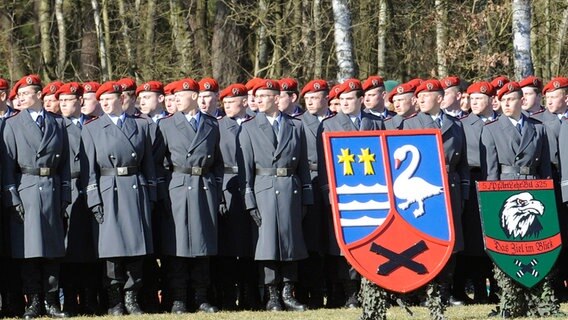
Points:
[[278, 172], [75, 174], [119, 171], [194, 171], [42, 171], [518, 170], [313, 167], [231, 170]]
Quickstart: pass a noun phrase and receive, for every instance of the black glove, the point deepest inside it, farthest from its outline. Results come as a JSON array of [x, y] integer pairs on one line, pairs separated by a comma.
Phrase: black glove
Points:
[[98, 213], [223, 210], [19, 211], [255, 216]]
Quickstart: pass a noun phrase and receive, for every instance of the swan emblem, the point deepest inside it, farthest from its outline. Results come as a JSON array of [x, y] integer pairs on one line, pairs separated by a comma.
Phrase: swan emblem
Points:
[[409, 188]]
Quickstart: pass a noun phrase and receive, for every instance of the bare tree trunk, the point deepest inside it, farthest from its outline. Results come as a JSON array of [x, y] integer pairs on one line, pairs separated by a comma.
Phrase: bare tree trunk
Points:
[[89, 63], [562, 29], [277, 50], [198, 24], [343, 40], [181, 38], [441, 37], [522, 38], [62, 40], [318, 39], [148, 67], [105, 45], [9, 45], [261, 44], [126, 35], [45, 38], [381, 37], [547, 69]]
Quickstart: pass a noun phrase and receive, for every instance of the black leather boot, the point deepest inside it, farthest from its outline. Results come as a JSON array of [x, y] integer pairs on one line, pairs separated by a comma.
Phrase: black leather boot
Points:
[[351, 288], [179, 298], [250, 298], [290, 302], [115, 304], [89, 302], [13, 304], [33, 306], [70, 304], [273, 303], [202, 303], [229, 300], [131, 302], [53, 307]]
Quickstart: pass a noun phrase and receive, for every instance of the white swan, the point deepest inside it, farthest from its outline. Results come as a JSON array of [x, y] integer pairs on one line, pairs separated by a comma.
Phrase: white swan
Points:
[[412, 189]]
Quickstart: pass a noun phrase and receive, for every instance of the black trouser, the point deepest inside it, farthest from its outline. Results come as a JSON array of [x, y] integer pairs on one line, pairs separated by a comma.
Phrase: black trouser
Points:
[[125, 272], [181, 271], [311, 272], [340, 270], [40, 275], [276, 272], [80, 275]]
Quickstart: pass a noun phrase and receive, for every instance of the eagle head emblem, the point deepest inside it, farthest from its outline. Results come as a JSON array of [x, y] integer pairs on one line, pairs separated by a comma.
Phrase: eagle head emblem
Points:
[[520, 215]]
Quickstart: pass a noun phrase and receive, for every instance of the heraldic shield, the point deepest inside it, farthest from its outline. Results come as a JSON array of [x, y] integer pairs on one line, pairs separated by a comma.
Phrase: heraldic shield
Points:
[[391, 204], [520, 227]]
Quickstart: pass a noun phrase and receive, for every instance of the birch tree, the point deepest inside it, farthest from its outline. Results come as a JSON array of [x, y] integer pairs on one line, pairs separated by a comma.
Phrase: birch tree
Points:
[[61, 40], [45, 37], [441, 37], [381, 37], [343, 40], [181, 38], [522, 38]]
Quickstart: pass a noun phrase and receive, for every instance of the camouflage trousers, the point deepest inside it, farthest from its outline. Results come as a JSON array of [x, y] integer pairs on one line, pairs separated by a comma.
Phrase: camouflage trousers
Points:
[[518, 301]]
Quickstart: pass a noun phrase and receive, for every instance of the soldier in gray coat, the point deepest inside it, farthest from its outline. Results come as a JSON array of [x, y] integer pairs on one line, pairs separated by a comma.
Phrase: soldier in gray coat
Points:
[[515, 147], [119, 173], [277, 188], [430, 95], [80, 270], [189, 232], [350, 117], [35, 182]]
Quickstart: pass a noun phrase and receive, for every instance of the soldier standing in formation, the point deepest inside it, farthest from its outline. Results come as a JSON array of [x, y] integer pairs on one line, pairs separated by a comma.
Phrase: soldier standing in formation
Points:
[[375, 94]]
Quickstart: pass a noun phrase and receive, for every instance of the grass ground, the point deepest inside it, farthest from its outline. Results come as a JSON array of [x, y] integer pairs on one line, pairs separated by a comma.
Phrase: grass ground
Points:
[[395, 313]]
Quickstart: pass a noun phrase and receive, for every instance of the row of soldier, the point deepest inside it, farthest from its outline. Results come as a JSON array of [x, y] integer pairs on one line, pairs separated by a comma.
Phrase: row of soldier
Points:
[[222, 200]]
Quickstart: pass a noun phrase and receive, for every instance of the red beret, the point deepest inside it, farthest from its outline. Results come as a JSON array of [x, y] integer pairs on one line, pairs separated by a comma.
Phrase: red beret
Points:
[[431, 85], [451, 81], [169, 88], [373, 82], [51, 88], [266, 84], [531, 81], [415, 82], [29, 80], [4, 85], [91, 87], [288, 84], [401, 89], [233, 90], [555, 83], [481, 87], [349, 85], [127, 84], [499, 82], [109, 87], [334, 92], [315, 86], [152, 86], [250, 84], [70, 88], [508, 88], [186, 84], [208, 84]]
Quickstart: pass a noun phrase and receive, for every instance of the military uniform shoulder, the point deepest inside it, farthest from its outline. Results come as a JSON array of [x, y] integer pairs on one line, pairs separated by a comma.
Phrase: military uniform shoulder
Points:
[[534, 120], [220, 117], [539, 112], [411, 116], [55, 115], [247, 121], [14, 113], [492, 121], [207, 115], [91, 120], [291, 117], [331, 116]]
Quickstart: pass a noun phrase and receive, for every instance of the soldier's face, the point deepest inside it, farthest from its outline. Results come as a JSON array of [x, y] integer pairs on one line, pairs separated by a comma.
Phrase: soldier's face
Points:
[[251, 102], [90, 104], [286, 100], [128, 100], [557, 101], [234, 106], [511, 104], [496, 104], [480, 104], [208, 102], [51, 104], [464, 102], [350, 104], [429, 102], [403, 104], [28, 96], [111, 103], [185, 100], [170, 103], [374, 98], [316, 102], [267, 100], [70, 105], [149, 101], [532, 98], [335, 105], [451, 99]]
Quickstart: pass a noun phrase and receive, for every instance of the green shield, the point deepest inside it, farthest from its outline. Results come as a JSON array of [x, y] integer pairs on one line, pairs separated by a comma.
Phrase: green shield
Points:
[[520, 227]]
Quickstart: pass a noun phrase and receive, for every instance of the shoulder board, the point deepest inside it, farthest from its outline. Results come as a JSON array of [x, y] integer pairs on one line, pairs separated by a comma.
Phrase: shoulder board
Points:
[[248, 119], [91, 120], [538, 112], [169, 115], [14, 112], [331, 115], [388, 119], [463, 116], [219, 117], [492, 121], [412, 116]]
